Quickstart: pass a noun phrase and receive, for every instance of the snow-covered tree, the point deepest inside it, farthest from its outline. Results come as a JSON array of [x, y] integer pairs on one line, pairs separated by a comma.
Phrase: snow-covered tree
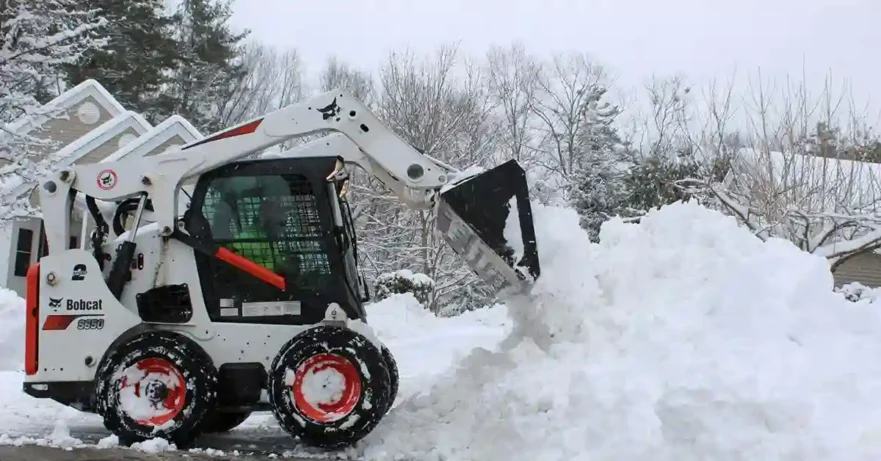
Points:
[[404, 281], [270, 79], [795, 179], [512, 77], [137, 58], [209, 63], [339, 74], [447, 118], [570, 108], [596, 181], [37, 38], [656, 181]]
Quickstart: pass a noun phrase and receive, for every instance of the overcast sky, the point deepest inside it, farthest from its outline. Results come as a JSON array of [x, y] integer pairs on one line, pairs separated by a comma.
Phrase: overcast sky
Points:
[[635, 38]]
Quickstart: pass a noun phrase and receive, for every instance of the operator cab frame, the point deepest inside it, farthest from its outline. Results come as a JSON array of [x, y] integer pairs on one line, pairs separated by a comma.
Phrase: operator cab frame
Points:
[[287, 216]]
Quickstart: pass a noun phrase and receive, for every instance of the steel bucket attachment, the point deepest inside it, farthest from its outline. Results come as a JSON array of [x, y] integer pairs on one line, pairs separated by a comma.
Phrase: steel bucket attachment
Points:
[[472, 216]]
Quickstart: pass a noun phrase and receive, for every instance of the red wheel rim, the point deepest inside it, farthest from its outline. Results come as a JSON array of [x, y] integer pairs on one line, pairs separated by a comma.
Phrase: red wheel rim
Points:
[[326, 387], [152, 391]]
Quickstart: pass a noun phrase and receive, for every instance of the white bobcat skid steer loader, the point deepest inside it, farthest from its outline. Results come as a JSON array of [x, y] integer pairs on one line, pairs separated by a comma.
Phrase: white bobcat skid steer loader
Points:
[[252, 299]]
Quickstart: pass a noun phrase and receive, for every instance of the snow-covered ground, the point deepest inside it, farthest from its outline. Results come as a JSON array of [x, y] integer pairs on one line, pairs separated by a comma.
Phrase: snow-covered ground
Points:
[[679, 338]]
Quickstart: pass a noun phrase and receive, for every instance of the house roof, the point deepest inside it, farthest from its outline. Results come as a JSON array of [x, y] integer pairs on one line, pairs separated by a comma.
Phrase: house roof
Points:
[[67, 100], [171, 127], [95, 138], [147, 142], [91, 141]]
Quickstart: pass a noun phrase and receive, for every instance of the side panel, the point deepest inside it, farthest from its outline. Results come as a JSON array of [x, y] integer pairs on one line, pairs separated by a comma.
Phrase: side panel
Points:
[[224, 342], [172, 262], [78, 317]]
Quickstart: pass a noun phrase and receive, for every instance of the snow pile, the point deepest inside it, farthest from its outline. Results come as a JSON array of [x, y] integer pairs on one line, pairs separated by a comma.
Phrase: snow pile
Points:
[[59, 438], [12, 316], [682, 337], [858, 292], [400, 318], [424, 345], [111, 441], [154, 446]]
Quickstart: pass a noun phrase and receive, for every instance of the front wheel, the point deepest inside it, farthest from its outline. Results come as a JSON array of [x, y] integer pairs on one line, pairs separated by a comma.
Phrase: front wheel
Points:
[[329, 386], [156, 385]]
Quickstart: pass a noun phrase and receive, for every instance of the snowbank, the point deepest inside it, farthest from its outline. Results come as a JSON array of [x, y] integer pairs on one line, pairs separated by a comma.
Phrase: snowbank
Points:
[[401, 317], [682, 337], [12, 315], [426, 346], [857, 292]]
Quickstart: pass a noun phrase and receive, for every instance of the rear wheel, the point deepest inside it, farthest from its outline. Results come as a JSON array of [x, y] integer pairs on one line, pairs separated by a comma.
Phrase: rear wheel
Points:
[[329, 386], [156, 385], [218, 422]]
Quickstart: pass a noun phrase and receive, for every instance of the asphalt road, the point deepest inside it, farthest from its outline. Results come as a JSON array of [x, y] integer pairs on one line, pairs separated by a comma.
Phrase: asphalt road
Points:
[[252, 443], [35, 453]]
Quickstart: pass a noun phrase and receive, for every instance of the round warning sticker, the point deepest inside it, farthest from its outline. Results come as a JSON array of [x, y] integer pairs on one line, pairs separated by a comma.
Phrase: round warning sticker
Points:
[[107, 179]]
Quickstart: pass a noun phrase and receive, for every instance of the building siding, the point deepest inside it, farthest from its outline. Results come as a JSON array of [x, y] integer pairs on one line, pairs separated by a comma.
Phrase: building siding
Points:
[[110, 146], [67, 130], [863, 268]]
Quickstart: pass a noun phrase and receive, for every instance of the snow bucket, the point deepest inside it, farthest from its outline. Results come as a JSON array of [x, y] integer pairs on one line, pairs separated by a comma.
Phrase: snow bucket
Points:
[[487, 220]]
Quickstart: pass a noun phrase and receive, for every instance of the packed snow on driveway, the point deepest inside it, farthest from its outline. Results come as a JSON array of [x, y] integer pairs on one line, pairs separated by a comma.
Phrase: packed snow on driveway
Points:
[[682, 337]]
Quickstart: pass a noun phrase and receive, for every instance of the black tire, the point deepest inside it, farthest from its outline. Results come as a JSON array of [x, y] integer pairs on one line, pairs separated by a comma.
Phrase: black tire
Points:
[[392, 366], [218, 422], [170, 355], [362, 403]]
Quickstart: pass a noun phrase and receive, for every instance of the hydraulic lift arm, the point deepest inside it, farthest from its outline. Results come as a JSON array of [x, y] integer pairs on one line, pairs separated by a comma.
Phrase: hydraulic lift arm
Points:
[[415, 178]]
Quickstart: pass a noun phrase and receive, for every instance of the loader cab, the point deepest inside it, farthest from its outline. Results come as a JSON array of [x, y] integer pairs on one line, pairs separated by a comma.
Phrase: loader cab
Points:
[[284, 215]]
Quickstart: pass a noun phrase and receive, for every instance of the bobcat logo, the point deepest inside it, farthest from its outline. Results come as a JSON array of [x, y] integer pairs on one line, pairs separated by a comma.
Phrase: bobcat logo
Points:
[[107, 179], [330, 111], [55, 303], [79, 272]]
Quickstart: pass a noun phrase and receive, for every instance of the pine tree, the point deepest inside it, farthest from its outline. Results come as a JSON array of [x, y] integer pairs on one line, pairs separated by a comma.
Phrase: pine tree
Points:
[[597, 188], [37, 38], [598, 192], [208, 62], [655, 181], [139, 53]]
